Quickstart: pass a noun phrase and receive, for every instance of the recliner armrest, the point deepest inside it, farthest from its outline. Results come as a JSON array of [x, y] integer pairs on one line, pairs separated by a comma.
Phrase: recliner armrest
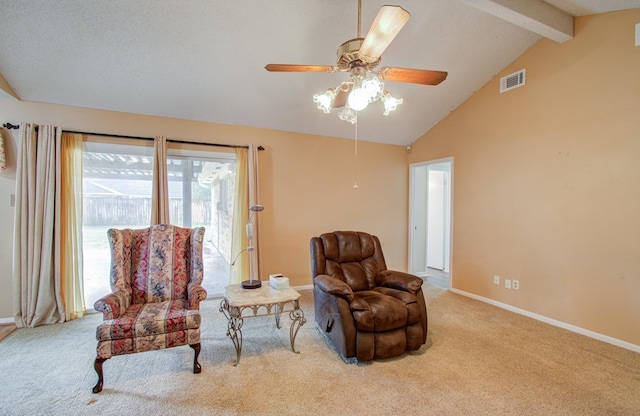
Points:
[[333, 286], [399, 280], [112, 305]]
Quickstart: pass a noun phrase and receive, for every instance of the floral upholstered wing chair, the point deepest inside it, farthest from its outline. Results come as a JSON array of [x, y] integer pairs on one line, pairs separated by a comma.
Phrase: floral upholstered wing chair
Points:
[[156, 279]]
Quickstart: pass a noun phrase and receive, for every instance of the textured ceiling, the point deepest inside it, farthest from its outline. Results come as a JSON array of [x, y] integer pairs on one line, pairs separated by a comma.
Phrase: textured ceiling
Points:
[[204, 60]]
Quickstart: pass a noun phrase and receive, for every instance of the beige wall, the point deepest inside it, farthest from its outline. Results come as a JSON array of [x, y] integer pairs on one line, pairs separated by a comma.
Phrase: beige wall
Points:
[[547, 180], [306, 184]]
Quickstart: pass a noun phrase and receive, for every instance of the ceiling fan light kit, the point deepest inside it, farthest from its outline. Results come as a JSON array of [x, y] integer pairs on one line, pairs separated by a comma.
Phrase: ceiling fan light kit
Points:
[[360, 57]]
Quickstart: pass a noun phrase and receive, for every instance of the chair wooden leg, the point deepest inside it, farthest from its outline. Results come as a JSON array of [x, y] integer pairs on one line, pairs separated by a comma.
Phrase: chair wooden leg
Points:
[[196, 365], [97, 365]]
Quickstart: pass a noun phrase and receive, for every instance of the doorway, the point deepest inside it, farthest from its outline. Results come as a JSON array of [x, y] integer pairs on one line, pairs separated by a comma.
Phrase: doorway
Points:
[[430, 204]]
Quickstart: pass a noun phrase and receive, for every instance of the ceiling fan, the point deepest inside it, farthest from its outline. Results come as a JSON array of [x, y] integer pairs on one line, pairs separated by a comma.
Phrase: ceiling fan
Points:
[[359, 57]]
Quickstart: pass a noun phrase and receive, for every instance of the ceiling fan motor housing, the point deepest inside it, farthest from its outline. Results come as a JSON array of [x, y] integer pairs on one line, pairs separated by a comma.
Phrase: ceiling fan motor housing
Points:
[[349, 56]]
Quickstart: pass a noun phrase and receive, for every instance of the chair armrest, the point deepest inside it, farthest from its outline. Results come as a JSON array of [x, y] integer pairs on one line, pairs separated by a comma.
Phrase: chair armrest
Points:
[[399, 280], [196, 293], [333, 286], [113, 304]]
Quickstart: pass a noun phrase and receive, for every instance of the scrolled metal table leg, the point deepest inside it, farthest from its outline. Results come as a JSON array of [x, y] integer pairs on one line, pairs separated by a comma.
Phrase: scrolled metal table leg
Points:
[[297, 320], [234, 326], [279, 309]]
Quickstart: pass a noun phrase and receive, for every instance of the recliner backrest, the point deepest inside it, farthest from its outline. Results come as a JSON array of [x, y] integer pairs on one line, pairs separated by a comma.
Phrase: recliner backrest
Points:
[[354, 257]]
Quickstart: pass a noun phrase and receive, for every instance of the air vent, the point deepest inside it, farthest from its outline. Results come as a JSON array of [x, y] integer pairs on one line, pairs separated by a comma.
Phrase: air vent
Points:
[[512, 81]]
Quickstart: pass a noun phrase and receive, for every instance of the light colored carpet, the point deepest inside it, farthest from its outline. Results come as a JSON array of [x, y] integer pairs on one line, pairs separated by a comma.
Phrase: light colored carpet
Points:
[[479, 360]]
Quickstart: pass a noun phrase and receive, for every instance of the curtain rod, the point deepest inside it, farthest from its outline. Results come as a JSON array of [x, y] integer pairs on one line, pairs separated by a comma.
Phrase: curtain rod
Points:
[[260, 148]]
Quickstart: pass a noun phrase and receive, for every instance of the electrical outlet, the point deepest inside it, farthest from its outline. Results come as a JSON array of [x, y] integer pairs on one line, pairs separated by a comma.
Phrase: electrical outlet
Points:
[[515, 284], [507, 284], [496, 279]]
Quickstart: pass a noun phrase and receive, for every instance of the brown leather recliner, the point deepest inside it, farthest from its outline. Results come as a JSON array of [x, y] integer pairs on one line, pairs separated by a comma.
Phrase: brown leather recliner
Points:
[[367, 311]]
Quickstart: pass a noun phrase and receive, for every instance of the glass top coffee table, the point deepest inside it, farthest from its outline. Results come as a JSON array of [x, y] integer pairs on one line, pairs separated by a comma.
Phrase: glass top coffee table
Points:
[[262, 301]]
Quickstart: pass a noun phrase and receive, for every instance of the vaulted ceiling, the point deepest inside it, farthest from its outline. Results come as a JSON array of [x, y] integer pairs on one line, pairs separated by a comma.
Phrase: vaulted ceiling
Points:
[[204, 59]]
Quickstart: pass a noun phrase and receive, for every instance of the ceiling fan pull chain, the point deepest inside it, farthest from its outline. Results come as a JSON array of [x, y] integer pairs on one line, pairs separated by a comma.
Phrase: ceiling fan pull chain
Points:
[[355, 181], [356, 123]]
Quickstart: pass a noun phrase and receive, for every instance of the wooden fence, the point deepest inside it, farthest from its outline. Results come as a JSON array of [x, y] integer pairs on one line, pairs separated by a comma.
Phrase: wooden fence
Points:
[[136, 211]]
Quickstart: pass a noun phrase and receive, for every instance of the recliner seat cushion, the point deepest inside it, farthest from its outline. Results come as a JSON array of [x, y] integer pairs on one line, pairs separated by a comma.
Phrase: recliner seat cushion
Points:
[[374, 311], [409, 299]]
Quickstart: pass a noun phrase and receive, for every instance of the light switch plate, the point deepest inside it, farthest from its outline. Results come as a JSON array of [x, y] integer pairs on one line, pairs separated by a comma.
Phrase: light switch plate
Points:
[[637, 34]]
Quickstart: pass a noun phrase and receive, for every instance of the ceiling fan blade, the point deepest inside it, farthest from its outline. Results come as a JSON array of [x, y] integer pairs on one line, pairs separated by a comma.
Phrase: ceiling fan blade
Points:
[[389, 21], [298, 68], [415, 76], [342, 96]]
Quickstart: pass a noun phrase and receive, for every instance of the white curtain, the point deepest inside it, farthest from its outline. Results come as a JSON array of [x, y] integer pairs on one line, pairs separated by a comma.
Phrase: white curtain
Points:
[[160, 192], [37, 289]]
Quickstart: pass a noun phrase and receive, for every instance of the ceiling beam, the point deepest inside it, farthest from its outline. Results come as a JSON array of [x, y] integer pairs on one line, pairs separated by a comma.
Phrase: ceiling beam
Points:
[[5, 89], [534, 15]]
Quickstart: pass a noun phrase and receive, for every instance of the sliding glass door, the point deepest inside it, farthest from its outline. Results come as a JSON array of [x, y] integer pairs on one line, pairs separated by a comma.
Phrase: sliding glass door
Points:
[[117, 183], [201, 189]]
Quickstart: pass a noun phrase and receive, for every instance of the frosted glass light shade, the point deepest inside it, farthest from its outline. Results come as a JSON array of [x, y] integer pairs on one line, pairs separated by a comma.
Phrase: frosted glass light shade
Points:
[[390, 103], [373, 86], [358, 99], [325, 101], [348, 115]]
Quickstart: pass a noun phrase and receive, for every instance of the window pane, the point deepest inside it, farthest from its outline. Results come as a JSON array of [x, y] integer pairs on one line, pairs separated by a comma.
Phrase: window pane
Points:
[[117, 183], [201, 190]]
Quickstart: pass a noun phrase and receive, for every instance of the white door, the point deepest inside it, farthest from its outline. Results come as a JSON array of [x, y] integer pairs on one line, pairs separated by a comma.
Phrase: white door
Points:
[[418, 234], [435, 220]]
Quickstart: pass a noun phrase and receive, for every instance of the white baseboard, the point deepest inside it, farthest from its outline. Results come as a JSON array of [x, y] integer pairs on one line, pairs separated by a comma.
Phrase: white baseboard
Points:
[[7, 320], [303, 287], [550, 321]]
